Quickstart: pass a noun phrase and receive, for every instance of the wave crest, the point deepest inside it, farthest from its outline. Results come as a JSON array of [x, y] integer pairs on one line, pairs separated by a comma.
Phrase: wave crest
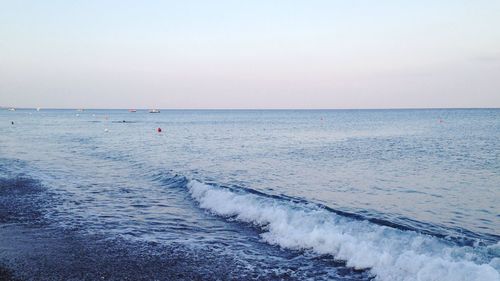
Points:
[[390, 254]]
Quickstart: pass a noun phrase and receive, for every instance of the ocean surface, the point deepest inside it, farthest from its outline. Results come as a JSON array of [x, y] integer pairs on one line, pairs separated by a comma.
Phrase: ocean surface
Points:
[[250, 195]]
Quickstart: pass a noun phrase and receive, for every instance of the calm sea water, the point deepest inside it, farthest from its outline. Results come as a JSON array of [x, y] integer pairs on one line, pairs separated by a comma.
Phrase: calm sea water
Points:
[[295, 195]]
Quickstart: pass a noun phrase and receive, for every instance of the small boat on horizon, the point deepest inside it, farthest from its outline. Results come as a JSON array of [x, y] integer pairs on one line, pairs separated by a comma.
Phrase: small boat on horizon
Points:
[[11, 109], [132, 110], [80, 110], [154, 111]]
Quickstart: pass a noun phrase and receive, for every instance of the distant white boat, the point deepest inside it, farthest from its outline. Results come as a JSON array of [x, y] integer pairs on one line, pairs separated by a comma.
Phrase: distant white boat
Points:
[[38, 109], [154, 111], [132, 110], [11, 109], [80, 110]]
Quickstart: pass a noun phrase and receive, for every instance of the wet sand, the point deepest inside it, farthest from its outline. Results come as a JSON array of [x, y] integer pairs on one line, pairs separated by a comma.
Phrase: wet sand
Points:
[[31, 253], [33, 249]]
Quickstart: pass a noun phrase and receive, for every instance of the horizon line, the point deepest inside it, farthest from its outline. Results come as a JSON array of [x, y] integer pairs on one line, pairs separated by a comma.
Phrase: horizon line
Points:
[[172, 109]]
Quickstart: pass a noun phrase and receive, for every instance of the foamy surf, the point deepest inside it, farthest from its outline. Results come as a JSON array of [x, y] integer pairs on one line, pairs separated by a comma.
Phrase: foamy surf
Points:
[[389, 254]]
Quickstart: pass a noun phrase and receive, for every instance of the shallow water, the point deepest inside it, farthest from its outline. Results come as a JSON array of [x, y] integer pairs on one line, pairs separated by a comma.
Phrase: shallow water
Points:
[[333, 194]]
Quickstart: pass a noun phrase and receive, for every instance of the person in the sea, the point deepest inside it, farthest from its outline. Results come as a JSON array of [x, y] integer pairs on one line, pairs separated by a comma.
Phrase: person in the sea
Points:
[[12, 122]]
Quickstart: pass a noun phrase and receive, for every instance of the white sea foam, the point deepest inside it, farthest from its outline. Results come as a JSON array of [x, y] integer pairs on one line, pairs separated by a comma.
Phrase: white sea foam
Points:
[[390, 254]]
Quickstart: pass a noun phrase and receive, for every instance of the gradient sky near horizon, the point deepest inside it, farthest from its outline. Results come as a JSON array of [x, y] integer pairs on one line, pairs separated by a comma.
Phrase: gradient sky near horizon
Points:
[[250, 54]]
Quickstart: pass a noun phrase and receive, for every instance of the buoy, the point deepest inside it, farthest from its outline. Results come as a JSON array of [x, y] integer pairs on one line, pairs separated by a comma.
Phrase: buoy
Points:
[[106, 130], [158, 130]]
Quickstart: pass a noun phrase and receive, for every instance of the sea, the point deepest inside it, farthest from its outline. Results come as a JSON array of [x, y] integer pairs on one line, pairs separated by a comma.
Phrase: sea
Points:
[[400, 194]]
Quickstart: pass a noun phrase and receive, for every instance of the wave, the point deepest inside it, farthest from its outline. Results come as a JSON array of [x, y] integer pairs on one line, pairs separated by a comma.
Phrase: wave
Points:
[[389, 253]]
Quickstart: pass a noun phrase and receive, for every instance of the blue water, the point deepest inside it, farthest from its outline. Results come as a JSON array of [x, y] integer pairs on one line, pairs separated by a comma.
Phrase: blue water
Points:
[[278, 194]]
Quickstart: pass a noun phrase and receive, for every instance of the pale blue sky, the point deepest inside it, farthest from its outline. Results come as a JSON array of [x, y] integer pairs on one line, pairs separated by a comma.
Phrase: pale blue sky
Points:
[[250, 54]]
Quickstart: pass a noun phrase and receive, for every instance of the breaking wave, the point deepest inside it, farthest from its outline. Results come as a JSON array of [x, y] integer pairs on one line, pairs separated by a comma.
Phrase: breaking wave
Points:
[[389, 253]]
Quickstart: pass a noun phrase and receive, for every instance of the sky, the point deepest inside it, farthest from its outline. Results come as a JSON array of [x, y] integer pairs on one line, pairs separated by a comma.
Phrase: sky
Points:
[[250, 54]]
